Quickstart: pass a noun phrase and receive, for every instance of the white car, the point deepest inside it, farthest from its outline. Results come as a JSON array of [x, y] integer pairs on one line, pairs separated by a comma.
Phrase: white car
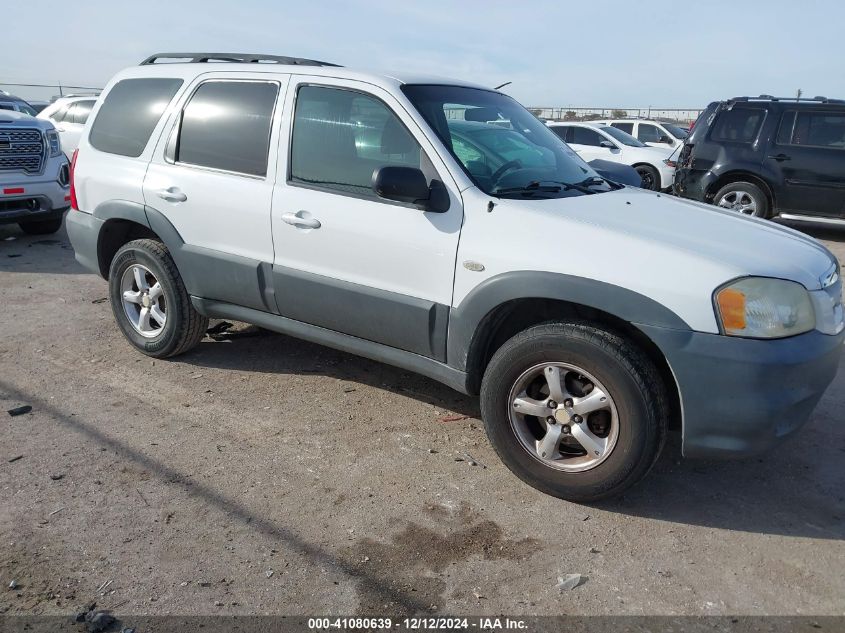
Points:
[[652, 133], [438, 226], [69, 115], [592, 141]]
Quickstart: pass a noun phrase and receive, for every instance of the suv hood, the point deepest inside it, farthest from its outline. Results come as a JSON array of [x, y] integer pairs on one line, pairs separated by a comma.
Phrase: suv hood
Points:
[[657, 234]]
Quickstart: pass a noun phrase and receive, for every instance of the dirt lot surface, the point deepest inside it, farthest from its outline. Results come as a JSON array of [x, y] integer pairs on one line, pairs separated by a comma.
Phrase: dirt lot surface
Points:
[[261, 474]]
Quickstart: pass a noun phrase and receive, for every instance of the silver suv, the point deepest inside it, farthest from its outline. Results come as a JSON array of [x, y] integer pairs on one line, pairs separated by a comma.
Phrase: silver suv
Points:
[[440, 227], [34, 174]]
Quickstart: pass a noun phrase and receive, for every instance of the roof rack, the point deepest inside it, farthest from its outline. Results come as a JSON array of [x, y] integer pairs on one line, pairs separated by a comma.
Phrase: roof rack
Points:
[[793, 99], [251, 58]]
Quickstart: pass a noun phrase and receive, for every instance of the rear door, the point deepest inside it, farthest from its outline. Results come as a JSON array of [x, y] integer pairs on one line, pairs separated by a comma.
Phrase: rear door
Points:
[[212, 176], [809, 157], [345, 259]]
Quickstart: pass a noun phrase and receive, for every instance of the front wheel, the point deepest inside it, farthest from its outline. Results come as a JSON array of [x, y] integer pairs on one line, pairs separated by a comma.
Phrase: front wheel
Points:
[[150, 302], [575, 411]]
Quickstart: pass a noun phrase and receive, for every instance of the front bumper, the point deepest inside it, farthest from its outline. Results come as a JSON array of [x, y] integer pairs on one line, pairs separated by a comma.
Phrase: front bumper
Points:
[[43, 197], [740, 397]]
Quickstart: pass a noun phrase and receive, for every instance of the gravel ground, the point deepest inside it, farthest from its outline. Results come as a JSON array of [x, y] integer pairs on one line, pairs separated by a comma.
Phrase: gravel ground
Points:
[[261, 474]]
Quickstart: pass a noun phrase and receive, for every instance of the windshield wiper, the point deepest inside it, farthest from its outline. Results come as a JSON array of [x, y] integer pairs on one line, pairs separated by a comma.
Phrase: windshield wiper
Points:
[[598, 180], [531, 188]]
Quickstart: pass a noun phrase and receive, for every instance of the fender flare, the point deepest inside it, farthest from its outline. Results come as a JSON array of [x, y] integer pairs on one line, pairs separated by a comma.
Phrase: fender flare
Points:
[[466, 321]]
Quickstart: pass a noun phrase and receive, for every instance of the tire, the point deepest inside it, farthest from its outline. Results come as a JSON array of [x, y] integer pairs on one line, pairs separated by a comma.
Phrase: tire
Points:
[[41, 227], [618, 369], [650, 177], [743, 197], [183, 327]]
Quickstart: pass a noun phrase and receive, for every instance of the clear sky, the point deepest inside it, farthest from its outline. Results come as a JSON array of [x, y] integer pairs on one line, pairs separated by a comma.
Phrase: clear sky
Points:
[[610, 54]]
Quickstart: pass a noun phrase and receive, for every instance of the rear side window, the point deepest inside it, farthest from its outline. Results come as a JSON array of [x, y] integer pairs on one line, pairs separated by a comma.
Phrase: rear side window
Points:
[[628, 128], [560, 130], [226, 125], [130, 113], [739, 125], [813, 129], [340, 137]]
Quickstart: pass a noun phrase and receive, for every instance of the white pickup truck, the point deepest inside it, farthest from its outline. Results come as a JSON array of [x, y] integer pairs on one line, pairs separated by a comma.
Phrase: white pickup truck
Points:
[[34, 176]]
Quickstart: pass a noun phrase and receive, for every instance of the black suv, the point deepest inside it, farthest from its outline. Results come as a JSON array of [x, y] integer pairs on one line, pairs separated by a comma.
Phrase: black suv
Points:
[[766, 156]]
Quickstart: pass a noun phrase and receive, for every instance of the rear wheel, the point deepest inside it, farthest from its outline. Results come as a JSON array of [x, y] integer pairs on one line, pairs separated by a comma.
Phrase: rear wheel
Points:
[[649, 176], [743, 197], [41, 227], [573, 410], [150, 302]]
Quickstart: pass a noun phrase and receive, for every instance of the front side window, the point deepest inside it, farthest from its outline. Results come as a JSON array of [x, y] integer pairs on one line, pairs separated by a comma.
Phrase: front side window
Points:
[[739, 125], [341, 137], [129, 114], [226, 125], [813, 129], [586, 136], [648, 133], [675, 131], [81, 111]]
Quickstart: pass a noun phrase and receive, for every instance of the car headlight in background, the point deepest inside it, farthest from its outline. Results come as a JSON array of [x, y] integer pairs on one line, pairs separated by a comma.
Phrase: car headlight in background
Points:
[[761, 307], [54, 143]]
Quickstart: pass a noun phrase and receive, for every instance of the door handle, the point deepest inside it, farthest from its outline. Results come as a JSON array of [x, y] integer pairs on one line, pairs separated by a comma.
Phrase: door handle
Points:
[[172, 194], [298, 219], [779, 157]]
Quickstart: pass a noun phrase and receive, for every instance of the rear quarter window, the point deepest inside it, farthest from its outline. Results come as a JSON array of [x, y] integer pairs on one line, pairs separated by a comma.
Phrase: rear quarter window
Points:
[[738, 125], [130, 113]]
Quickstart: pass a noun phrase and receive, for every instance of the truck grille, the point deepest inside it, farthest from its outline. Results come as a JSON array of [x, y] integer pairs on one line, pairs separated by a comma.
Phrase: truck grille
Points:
[[21, 150]]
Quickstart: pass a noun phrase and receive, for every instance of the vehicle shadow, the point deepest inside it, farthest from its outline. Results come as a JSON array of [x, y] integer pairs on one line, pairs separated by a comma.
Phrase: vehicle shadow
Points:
[[795, 490], [820, 232], [50, 254]]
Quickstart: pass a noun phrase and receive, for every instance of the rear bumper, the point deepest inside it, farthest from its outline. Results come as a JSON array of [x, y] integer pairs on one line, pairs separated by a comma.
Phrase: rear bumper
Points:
[[83, 229], [740, 396], [693, 183]]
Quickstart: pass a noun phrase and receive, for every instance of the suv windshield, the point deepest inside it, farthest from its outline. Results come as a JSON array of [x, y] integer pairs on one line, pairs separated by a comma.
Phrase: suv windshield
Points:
[[505, 149], [622, 137], [675, 131]]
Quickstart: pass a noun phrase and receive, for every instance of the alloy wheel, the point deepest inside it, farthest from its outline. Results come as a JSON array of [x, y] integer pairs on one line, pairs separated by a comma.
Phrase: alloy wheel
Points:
[[143, 300]]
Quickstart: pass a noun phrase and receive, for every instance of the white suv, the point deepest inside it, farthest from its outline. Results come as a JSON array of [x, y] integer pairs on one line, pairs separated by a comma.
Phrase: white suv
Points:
[[652, 133], [440, 227], [69, 115]]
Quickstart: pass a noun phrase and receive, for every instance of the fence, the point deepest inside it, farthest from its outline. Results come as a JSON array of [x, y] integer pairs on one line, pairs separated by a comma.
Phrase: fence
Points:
[[44, 92], [569, 113]]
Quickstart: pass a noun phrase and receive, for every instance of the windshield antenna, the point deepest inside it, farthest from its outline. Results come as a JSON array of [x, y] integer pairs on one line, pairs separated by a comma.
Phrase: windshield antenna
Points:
[[507, 83]]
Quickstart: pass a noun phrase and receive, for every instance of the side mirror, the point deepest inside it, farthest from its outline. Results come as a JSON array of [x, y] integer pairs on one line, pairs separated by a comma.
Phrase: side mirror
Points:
[[665, 139], [409, 185], [607, 145]]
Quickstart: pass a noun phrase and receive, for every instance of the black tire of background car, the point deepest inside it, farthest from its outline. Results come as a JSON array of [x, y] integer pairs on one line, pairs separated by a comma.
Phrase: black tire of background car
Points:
[[628, 374], [650, 177], [184, 327], [760, 200], [41, 227]]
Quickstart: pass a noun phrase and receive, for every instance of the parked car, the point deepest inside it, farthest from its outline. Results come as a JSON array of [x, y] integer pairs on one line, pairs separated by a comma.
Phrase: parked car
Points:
[[765, 156], [38, 106], [69, 115], [34, 178], [15, 104], [595, 141], [338, 206], [652, 133]]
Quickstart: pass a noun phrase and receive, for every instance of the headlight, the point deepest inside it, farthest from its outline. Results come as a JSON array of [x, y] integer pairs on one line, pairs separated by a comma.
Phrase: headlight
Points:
[[760, 307], [54, 143]]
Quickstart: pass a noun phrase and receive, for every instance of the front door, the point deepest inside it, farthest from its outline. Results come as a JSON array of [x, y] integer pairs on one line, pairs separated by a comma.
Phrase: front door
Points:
[[212, 178], [345, 259], [587, 143], [809, 157]]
